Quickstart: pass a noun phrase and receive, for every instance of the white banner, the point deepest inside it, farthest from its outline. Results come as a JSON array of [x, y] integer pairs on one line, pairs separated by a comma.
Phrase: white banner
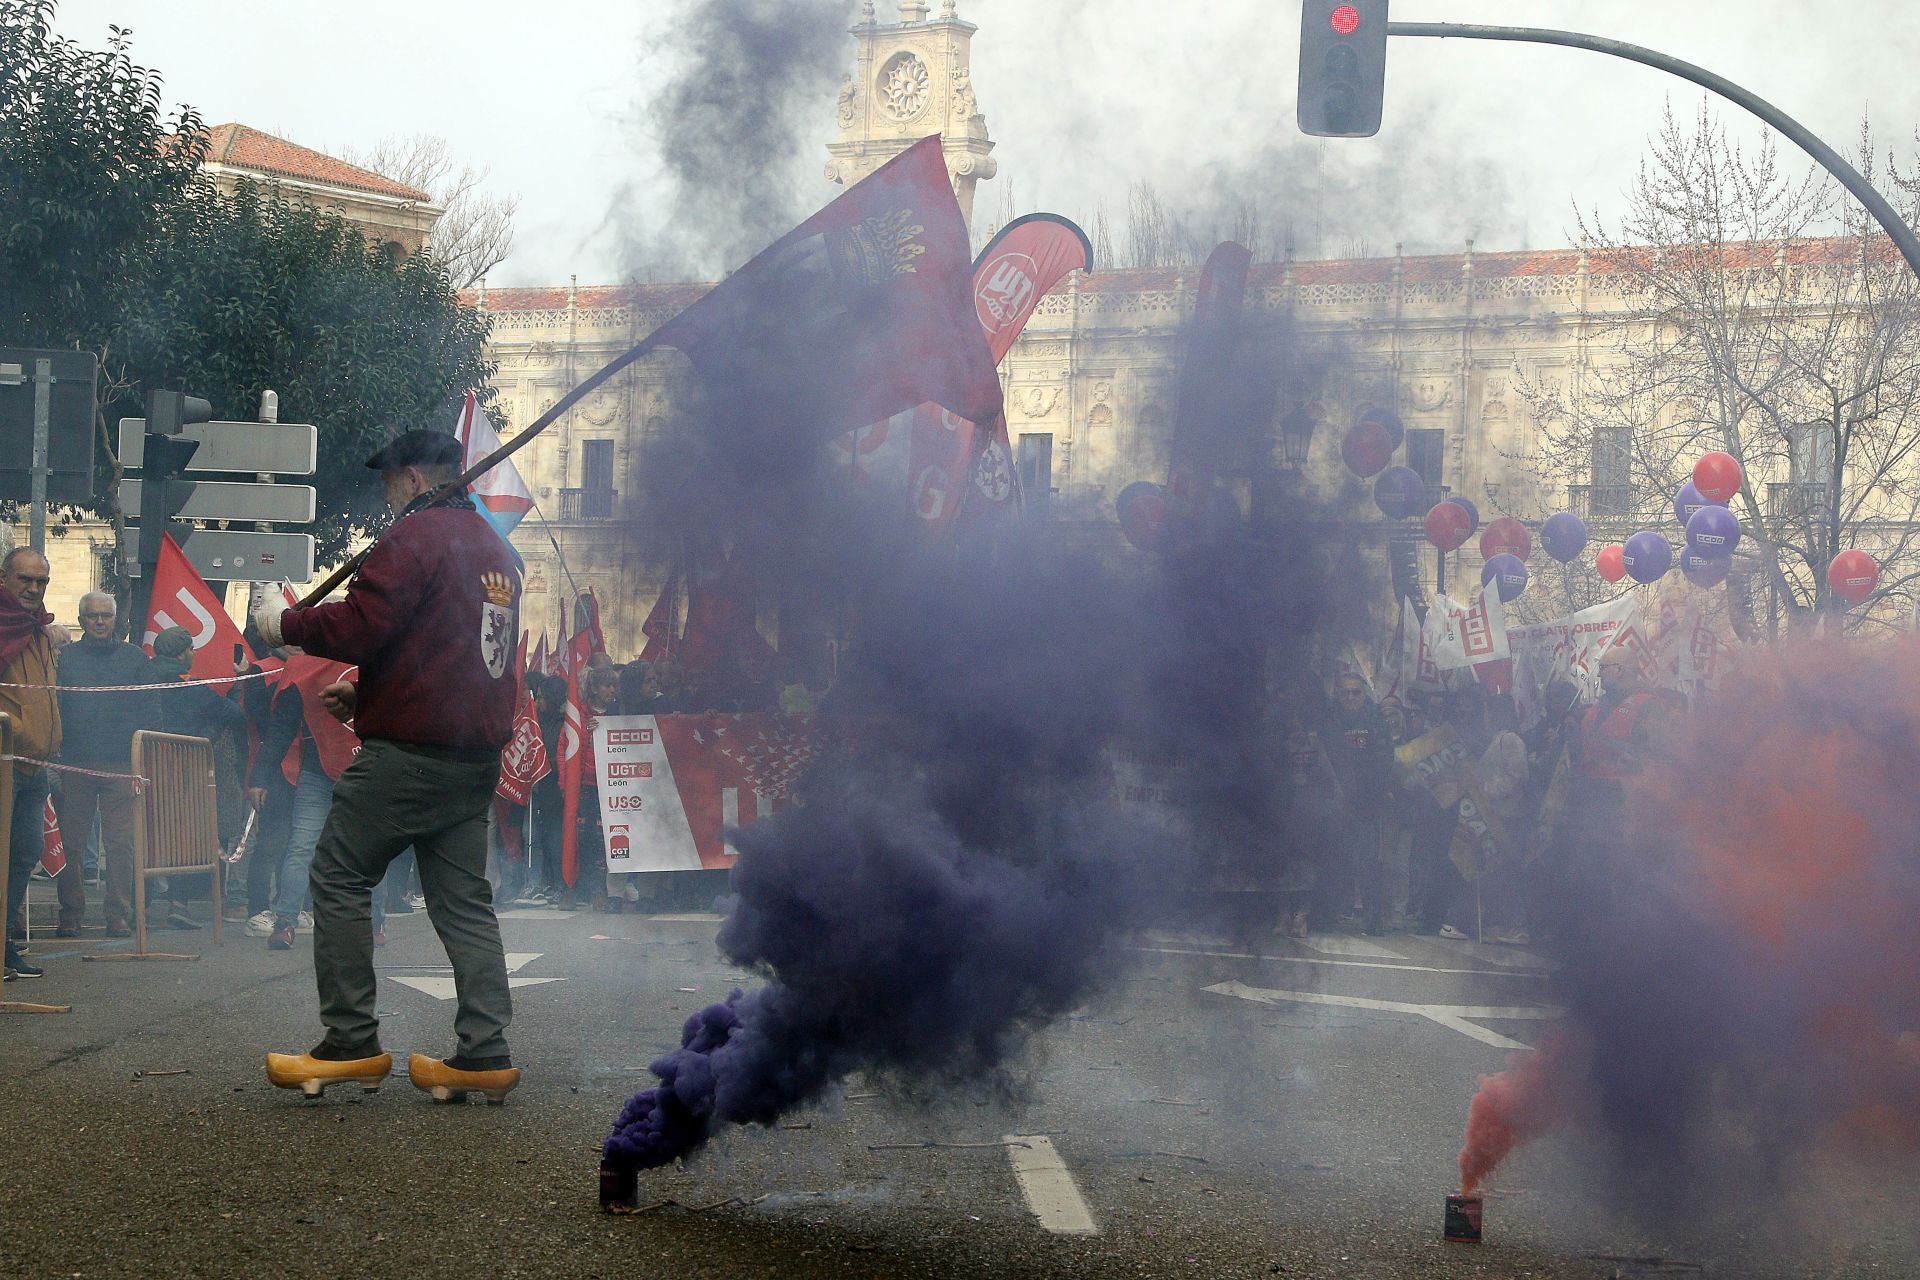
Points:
[[1458, 636], [641, 812]]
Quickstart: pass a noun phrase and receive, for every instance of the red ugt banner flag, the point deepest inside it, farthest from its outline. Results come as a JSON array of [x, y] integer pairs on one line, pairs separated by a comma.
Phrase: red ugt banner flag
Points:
[[957, 464], [181, 598], [524, 762]]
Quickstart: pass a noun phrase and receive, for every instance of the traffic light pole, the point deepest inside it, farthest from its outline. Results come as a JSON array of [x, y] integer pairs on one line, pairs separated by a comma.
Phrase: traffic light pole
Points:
[[1876, 204]]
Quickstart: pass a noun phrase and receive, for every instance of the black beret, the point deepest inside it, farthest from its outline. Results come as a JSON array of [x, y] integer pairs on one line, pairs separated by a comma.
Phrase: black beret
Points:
[[418, 449]]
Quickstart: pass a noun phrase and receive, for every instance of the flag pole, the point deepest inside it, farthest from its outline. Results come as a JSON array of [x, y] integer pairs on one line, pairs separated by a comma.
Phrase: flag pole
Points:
[[505, 451]]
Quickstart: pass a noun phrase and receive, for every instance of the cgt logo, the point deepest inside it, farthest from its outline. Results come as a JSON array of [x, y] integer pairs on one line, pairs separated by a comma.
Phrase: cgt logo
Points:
[[1005, 291]]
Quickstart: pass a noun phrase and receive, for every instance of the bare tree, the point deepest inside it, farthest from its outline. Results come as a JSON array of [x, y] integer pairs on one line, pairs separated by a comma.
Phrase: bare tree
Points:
[[1766, 316], [475, 234]]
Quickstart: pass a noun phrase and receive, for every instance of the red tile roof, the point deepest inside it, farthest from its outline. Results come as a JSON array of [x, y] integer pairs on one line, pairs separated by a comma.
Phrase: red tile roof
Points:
[[240, 147]]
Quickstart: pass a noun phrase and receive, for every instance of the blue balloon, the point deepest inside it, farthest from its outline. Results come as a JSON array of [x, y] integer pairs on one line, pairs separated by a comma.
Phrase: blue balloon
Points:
[[1647, 556], [1473, 513], [1563, 536], [1508, 575], [1713, 530], [1399, 493], [1688, 501], [1705, 570]]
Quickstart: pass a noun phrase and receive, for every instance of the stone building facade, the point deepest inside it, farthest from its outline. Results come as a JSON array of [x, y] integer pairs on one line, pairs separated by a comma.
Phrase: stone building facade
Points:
[[1091, 392]]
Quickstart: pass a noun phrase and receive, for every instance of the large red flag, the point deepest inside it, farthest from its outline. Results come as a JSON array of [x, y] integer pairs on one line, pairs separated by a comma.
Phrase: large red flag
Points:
[[181, 598], [537, 664], [575, 751], [862, 311]]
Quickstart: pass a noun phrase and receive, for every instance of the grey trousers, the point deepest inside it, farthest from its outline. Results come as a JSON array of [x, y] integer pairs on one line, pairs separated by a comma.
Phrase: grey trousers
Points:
[[385, 800]]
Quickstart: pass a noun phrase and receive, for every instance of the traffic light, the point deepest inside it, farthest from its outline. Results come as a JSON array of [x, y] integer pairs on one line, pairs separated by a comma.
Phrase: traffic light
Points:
[[1343, 67], [166, 454]]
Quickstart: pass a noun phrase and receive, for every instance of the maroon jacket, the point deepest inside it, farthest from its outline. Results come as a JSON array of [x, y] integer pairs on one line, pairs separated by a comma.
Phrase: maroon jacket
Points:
[[432, 619]]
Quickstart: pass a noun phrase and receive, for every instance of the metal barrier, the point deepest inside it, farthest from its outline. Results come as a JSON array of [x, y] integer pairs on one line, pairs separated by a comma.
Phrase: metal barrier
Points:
[[6, 854], [175, 828]]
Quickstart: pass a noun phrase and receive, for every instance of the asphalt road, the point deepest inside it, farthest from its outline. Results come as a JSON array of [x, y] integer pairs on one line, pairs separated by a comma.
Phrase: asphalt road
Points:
[[1217, 1113]]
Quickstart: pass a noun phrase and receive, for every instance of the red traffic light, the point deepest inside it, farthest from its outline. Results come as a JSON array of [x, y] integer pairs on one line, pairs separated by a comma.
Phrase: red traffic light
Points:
[[1345, 19]]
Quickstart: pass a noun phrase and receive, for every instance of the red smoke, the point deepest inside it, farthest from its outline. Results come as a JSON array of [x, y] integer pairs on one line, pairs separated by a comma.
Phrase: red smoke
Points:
[[1747, 977], [1536, 1095]]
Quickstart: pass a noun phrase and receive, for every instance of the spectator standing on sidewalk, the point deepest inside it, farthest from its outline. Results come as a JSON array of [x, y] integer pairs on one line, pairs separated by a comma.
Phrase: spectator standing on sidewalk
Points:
[[98, 731], [26, 695]]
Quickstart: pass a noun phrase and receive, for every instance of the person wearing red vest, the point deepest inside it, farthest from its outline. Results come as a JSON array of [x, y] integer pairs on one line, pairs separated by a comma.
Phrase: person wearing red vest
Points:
[[1613, 732], [432, 620]]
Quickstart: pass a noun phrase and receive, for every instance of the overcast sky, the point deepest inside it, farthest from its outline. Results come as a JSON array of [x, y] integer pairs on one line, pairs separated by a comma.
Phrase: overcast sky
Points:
[[1085, 98]]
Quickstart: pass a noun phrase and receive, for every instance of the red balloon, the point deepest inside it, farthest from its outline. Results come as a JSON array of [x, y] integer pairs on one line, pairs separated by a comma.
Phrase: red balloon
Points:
[[1853, 575], [1716, 476], [1448, 525], [1506, 536], [1610, 563], [1367, 448]]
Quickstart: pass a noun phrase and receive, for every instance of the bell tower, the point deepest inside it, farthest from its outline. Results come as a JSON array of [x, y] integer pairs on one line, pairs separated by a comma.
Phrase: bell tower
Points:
[[912, 78]]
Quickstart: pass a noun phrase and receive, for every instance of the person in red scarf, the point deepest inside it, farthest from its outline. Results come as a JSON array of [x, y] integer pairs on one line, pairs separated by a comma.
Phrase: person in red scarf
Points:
[[26, 695]]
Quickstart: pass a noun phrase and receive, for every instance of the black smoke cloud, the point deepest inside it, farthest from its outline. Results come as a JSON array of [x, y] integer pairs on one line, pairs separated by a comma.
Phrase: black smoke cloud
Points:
[[734, 129]]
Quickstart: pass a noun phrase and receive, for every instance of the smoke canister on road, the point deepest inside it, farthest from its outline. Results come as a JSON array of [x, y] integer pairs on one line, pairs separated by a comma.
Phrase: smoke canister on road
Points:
[[1463, 1218]]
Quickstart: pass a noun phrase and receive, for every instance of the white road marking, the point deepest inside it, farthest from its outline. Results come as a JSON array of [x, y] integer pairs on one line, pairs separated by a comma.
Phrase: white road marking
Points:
[[1334, 945], [1048, 1186], [1451, 1016], [441, 987], [1345, 964]]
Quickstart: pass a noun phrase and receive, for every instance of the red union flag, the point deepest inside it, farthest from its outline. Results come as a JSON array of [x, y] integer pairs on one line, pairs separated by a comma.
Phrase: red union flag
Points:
[[181, 598], [575, 748], [53, 853], [862, 311], [524, 762]]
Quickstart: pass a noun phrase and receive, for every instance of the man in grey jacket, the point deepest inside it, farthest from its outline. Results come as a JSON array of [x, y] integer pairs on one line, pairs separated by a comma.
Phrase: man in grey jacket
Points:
[[99, 735]]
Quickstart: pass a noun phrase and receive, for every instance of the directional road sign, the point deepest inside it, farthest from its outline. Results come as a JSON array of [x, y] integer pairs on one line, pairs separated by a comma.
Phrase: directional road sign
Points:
[[234, 555], [233, 500], [278, 448]]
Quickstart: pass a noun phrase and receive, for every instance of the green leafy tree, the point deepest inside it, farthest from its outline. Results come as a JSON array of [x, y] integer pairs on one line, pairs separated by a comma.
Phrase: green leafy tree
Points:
[[253, 291], [89, 164], [111, 243]]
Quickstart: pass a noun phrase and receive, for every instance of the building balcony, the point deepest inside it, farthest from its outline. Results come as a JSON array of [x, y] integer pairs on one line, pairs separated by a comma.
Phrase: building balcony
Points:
[[1602, 503], [589, 504], [1796, 500]]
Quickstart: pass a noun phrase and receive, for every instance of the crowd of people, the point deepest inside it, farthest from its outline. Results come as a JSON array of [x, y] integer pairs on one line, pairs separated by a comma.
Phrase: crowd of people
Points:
[[78, 700], [1437, 812]]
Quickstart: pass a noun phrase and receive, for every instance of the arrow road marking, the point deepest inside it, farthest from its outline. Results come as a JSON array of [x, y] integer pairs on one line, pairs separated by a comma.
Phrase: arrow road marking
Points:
[[1452, 1016], [1048, 1186], [441, 987]]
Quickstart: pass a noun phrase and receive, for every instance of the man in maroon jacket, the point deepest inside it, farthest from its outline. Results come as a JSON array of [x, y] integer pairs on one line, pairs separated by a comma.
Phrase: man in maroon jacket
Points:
[[431, 619]]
